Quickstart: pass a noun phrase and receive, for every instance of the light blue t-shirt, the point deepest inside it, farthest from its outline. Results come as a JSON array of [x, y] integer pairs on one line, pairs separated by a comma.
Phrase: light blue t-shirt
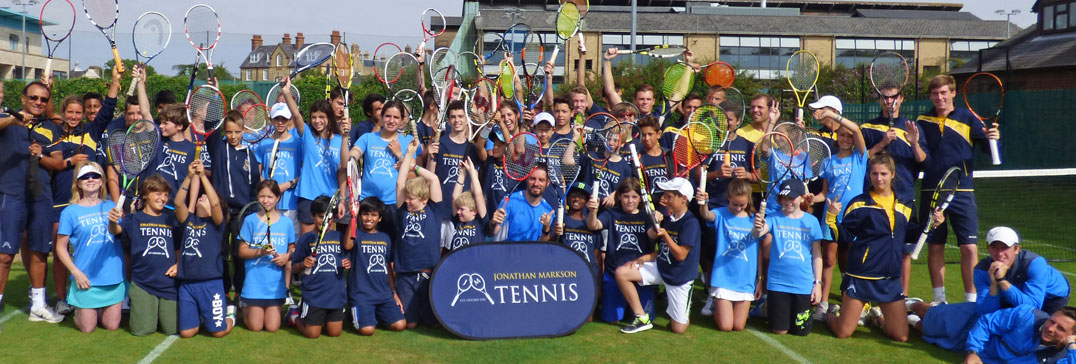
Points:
[[97, 253], [791, 267], [287, 166], [321, 160], [265, 279], [522, 219], [736, 260], [778, 166], [379, 165], [845, 177]]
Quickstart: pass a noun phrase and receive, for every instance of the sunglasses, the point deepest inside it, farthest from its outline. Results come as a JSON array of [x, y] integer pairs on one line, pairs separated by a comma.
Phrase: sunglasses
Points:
[[35, 98], [89, 176]]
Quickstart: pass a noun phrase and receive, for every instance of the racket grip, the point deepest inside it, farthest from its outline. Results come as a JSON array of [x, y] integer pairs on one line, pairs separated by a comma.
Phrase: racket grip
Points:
[[623, 51], [48, 68], [594, 192], [995, 156], [560, 214], [762, 206], [553, 57], [131, 88], [799, 113], [121, 200], [119, 61], [702, 185], [582, 43], [919, 246], [727, 162]]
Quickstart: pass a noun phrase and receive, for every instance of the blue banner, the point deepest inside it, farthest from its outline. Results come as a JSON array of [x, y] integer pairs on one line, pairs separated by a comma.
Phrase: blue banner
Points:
[[513, 290]]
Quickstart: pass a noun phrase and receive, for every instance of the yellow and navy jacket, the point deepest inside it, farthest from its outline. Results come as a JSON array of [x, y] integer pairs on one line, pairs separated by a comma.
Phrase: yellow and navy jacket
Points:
[[902, 150], [875, 249], [949, 143]]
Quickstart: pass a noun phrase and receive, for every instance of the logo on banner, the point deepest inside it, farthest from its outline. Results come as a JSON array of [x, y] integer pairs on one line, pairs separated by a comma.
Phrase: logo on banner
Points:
[[471, 282]]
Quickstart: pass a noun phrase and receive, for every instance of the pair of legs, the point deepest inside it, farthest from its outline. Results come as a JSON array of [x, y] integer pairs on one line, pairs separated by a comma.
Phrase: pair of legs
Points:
[[893, 321], [833, 255], [258, 318], [629, 275], [87, 319], [969, 257], [731, 315], [962, 215], [204, 302], [366, 316], [313, 320], [59, 271]]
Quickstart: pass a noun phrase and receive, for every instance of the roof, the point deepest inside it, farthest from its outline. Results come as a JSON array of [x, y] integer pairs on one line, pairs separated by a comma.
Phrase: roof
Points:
[[1027, 50], [915, 14], [495, 19], [13, 19], [265, 51], [828, 5]]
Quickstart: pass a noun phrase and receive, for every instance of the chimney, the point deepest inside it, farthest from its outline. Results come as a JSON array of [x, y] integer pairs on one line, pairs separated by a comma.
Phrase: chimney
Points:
[[407, 48], [255, 42], [299, 38], [286, 40], [335, 37], [355, 52]]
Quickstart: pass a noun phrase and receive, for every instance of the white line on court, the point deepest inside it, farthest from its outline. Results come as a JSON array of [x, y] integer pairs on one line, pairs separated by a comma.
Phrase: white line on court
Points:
[[11, 314], [157, 351], [784, 349]]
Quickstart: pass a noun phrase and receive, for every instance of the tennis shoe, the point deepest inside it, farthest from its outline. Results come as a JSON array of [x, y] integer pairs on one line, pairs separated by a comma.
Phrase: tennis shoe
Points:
[[45, 314], [820, 311], [708, 308], [63, 308], [873, 315], [908, 302], [863, 314], [641, 323]]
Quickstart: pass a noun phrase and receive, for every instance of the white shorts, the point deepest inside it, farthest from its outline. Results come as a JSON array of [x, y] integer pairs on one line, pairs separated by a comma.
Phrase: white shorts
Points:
[[730, 295], [679, 296]]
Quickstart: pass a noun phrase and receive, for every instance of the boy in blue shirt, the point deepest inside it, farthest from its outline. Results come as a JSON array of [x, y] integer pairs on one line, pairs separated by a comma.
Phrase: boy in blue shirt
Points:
[[370, 288], [418, 247], [201, 296], [323, 284]]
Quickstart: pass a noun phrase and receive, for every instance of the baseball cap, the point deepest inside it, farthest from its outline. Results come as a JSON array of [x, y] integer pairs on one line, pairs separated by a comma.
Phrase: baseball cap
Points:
[[543, 116], [828, 101], [87, 169], [280, 109], [1003, 234], [678, 184], [579, 186], [792, 188]]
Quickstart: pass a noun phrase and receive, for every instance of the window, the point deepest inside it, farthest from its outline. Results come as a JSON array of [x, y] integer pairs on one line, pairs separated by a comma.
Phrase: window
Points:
[[254, 57], [14, 40], [265, 75], [1061, 16], [961, 51], [279, 60], [247, 78], [1048, 18], [642, 41], [765, 57], [852, 52]]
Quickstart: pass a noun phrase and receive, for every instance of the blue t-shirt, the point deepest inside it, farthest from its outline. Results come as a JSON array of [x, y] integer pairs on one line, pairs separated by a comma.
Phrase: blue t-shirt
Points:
[[419, 246], [845, 177], [685, 232], [791, 268], [200, 256], [449, 161], [324, 284], [321, 160], [627, 239], [151, 245], [736, 260], [287, 166], [607, 178], [379, 165], [739, 156], [583, 240], [522, 219], [498, 183], [97, 253], [368, 281], [265, 279], [173, 161], [466, 233]]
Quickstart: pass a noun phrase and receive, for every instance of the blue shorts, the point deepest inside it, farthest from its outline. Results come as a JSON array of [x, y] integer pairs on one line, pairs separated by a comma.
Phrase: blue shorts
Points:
[[96, 296], [202, 301], [872, 290], [14, 211], [39, 231], [305, 216], [962, 214], [414, 292], [370, 314], [615, 308]]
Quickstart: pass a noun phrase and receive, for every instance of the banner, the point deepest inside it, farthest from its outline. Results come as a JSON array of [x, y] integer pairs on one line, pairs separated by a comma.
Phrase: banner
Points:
[[513, 290]]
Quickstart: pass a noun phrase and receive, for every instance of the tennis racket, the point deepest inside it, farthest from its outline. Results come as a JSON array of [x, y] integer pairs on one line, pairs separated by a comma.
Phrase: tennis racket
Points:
[[413, 101], [564, 163], [648, 201], [675, 86], [772, 160], [684, 153], [138, 150], [344, 70], [103, 15], [584, 8], [816, 159], [433, 24], [943, 195], [447, 81], [32, 182], [889, 74], [245, 99], [327, 221], [205, 110], [600, 145], [481, 105], [202, 26], [521, 157], [380, 58], [506, 80], [984, 94], [470, 68], [256, 123], [801, 71], [533, 85], [152, 32], [312, 56], [402, 71], [706, 141], [56, 21], [661, 51], [567, 25], [274, 96], [532, 53], [719, 74], [354, 186], [441, 58]]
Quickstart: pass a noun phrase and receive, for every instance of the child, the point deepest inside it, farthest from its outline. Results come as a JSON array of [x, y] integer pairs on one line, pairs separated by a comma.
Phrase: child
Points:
[[263, 235], [793, 280], [379, 153], [176, 152], [371, 290], [322, 148], [493, 172], [284, 169], [448, 153], [562, 117], [324, 295], [237, 170], [469, 219], [201, 291], [736, 264], [608, 174], [148, 238], [626, 240], [656, 161], [574, 232], [418, 249]]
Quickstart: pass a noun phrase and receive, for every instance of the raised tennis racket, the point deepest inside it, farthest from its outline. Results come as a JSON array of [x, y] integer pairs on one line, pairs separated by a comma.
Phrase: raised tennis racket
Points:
[[600, 145], [312, 56], [433, 24], [441, 58], [532, 53], [274, 96], [402, 71], [533, 85], [816, 159], [380, 58], [470, 68], [648, 201], [706, 141], [939, 201], [801, 71], [521, 157], [676, 84], [719, 74], [202, 26], [137, 152], [256, 123], [889, 74], [506, 80], [344, 72], [152, 32], [684, 153], [56, 21], [984, 94], [771, 161], [244, 99], [413, 101], [205, 110], [103, 15], [661, 51], [564, 163], [481, 105], [567, 25]]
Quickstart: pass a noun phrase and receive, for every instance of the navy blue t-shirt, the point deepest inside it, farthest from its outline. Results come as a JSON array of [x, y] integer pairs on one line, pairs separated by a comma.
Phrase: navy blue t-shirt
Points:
[[149, 242], [172, 161], [450, 158], [627, 239], [235, 175], [498, 183], [369, 278], [358, 130], [684, 231], [467, 233], [200, 256], [419, 246], [656, 169], [324, 284], [739, 156], [606, 178], [579, 238]]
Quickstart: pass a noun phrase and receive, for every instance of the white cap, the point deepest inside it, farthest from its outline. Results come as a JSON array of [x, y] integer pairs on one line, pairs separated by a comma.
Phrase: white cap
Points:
[[87, 169], [1004, 234], [280, 109], [543, 116], [828, 101], [678, 184]]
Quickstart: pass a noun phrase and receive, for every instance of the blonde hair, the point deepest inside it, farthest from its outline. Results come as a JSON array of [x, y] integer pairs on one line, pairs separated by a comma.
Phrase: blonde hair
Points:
[[417, 188], [76, 193], [942, 80], [467, 200], [740, 187]]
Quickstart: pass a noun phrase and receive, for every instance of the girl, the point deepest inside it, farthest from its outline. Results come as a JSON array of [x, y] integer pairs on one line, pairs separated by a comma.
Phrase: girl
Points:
[[574, 232], [736, 263], [96, 265], [379, 153], [283, 167], [201, 292], [626, 241], [237, 170], [322, 168], [263, 235], [874, 228]]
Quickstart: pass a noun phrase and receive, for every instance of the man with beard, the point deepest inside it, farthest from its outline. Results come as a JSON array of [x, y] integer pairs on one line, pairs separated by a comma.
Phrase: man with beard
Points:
[[527, 214]]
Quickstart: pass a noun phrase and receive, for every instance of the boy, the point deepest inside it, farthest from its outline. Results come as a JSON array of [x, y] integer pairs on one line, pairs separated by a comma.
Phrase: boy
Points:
[[656, 160], [237, 170], [201, 296], [562, 117], [574, 232], [323, 284], [176, 152], [371, 290], [418, 249], [493, 172], [469, 221], [448, 153]]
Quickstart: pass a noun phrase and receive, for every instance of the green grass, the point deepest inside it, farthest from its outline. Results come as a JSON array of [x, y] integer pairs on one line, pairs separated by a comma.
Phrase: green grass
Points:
[[24, 341]]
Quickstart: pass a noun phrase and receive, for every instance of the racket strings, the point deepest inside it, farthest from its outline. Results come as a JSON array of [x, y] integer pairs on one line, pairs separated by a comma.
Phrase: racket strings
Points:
[[888, 72], [720, 74], [202, 26], [256, 118], [442, 58], [151, 34], [102, 13], [817, 157], [520, 158], [984, 95], [534, 87], [413, 101], [703, 139], [802, 71], [205, 109], [342, 65], [57, 19], [567, 20], [139, 147], [274, 96], [532, 52], [684, 153], [314, 54], [677, 81], [400, 72]]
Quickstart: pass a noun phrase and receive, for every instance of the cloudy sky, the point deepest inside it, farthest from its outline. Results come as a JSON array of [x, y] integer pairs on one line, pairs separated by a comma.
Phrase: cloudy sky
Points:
[[366, 22]]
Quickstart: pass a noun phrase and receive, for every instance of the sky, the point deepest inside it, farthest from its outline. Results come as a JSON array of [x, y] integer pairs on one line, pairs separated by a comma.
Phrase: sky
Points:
[[365, 22]]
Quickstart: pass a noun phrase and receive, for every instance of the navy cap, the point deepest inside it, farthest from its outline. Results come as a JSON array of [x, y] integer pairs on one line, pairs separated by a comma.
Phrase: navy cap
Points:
[[792, 188]]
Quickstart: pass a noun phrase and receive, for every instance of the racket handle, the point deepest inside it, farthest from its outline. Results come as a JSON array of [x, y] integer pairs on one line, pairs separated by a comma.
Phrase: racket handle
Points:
[[119, 61], [702, 185], [582, 43], [594, 191], [553, 57], [727, 162], [121, 200], [272, 158], [347, 113], [762, 206], [919, 246], [131, 88], [48, 68], [995, 156], [623, 51], [799, 113], [560, 214]]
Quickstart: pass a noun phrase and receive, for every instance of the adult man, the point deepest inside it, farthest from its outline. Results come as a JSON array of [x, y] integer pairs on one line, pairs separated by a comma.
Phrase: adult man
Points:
[[950, 133], [764, 110], [1022, 334], [527, 215], [1011, 276], [644, 94]]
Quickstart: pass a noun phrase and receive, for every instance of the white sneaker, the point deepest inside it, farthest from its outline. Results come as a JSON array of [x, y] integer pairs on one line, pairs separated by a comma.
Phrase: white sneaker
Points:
[[908, 302], [873, 315], [63, 308], [46, 314], [288, 301], [708, 308], [230, 314], [863, 314], [820, 311]]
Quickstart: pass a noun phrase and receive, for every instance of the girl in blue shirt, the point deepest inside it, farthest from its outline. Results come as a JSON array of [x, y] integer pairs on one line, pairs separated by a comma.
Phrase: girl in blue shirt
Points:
[[96, 264], [285, 168], [736, 263], [379, 153], [322, 167], [268, 240]]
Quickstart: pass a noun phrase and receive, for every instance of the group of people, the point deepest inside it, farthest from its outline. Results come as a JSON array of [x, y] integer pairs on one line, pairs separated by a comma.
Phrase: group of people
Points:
[[182, 255]]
